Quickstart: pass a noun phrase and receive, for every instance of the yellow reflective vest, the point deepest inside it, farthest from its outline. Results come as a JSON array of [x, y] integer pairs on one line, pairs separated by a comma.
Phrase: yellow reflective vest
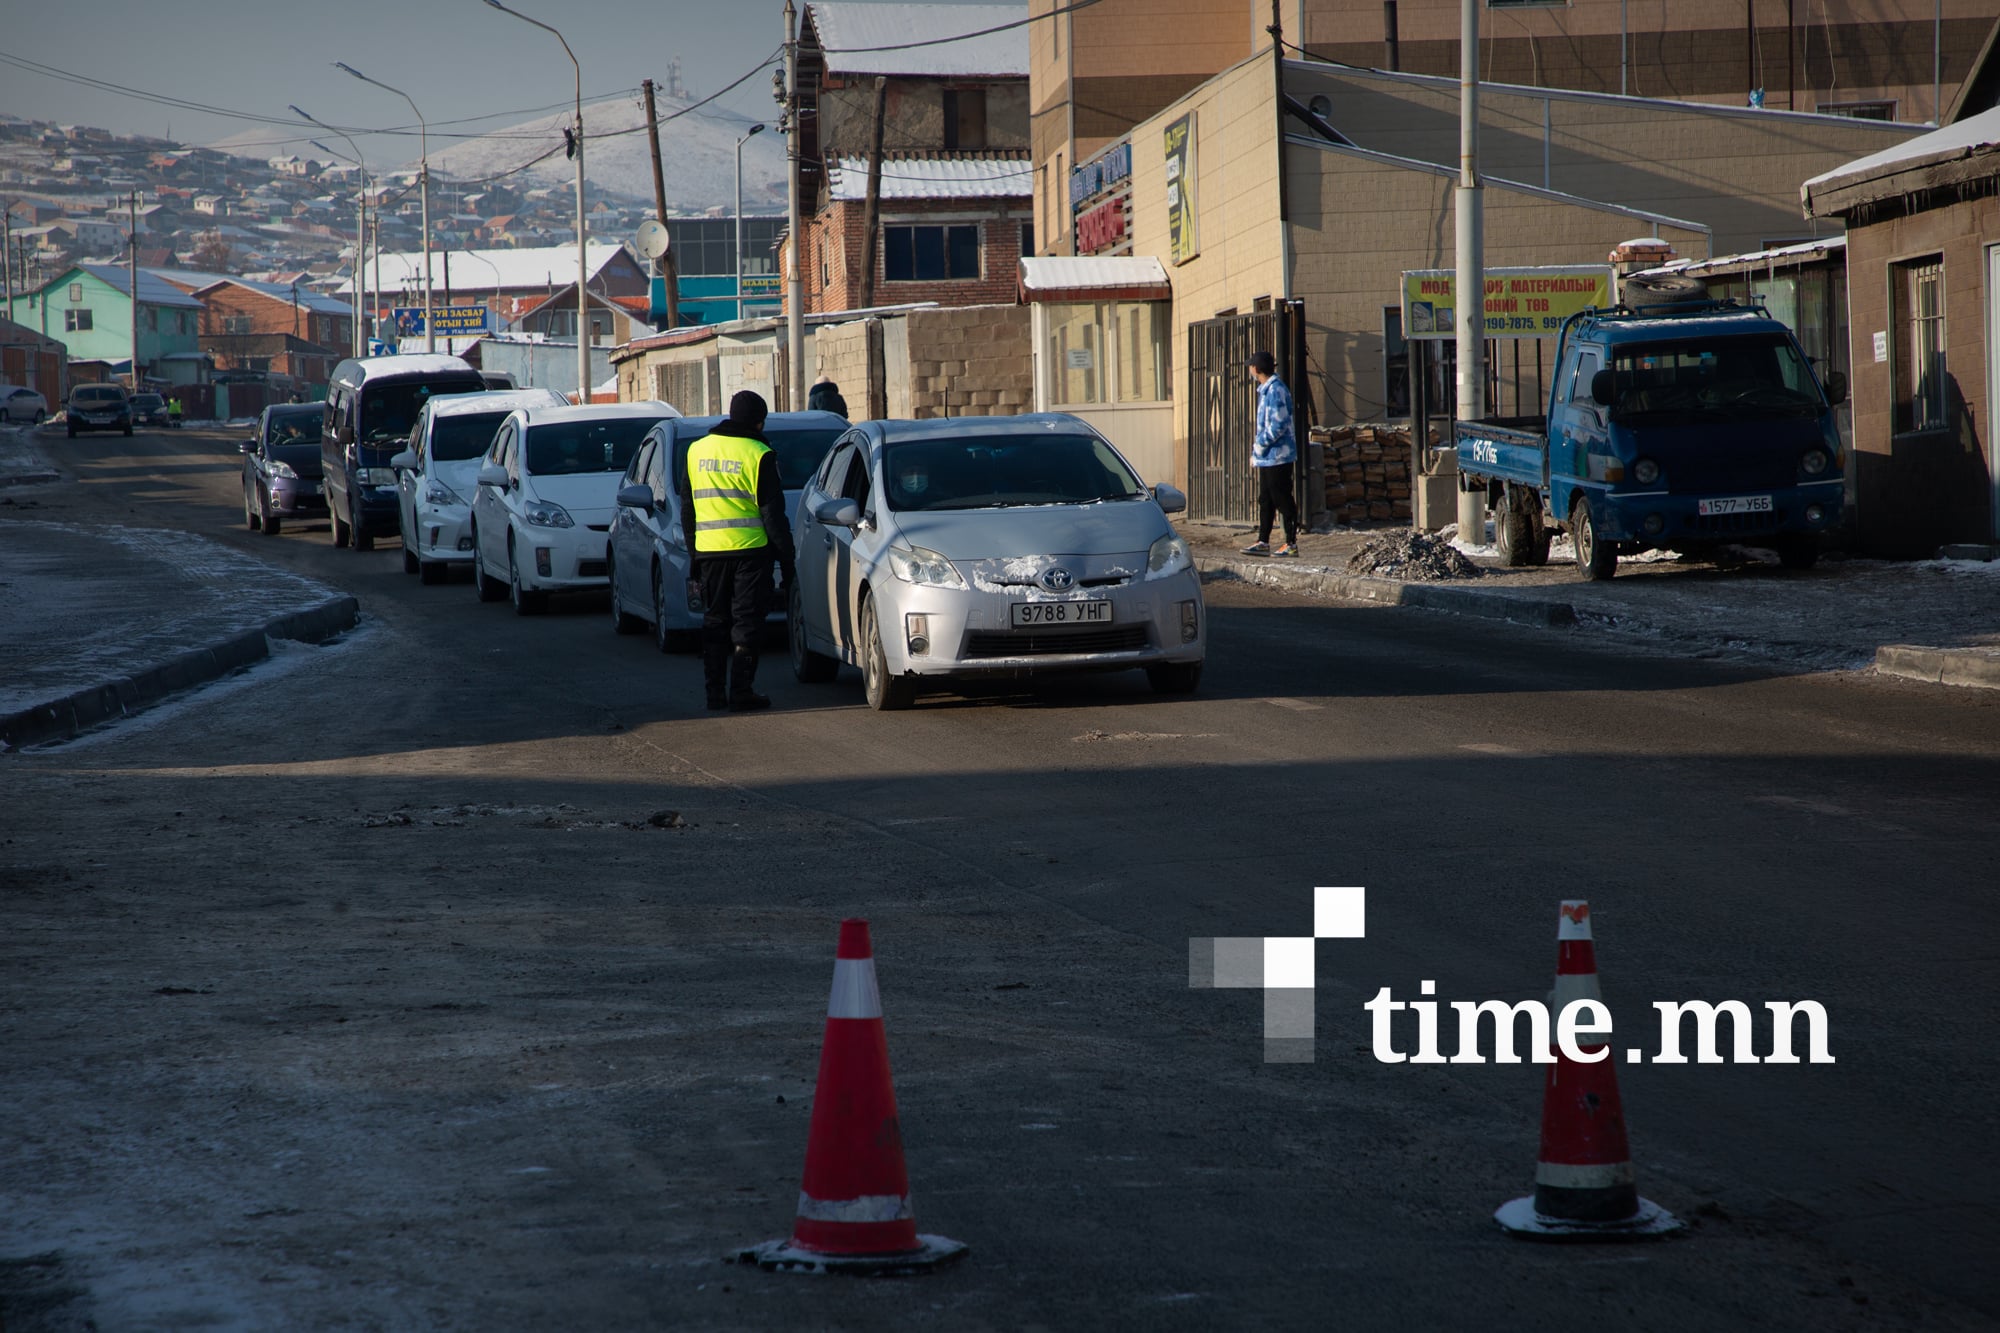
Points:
[[722, 477]]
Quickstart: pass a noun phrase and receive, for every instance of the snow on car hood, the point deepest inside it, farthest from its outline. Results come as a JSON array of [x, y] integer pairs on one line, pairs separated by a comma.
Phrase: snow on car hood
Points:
[[1112, 527], [590, 497]]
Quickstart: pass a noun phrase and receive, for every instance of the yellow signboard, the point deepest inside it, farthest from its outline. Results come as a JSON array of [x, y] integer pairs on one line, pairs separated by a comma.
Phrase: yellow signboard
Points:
[[1520, 302], [1182, 243]]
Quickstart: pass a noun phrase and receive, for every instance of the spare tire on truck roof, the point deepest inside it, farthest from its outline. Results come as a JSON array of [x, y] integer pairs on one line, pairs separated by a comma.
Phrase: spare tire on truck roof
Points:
[[1643, 289]]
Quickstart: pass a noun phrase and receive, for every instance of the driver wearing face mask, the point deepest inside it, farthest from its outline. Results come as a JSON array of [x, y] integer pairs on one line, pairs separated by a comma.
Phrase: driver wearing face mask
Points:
[[914, 481]]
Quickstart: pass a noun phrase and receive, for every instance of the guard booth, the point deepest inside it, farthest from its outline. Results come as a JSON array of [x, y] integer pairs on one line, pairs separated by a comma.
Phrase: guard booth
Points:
[[1222, 411]]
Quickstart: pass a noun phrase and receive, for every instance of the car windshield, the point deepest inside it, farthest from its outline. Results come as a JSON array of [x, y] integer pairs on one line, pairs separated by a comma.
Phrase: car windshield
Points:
[[1740, 376], [459, 437], [799, 452], [100, 395], [388, 410], [295, 427], [603, 444], [1000, 471], [148, 400]]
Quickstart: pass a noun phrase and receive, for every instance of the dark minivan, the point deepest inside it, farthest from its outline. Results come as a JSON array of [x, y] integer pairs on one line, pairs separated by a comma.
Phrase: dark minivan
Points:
[[370, 406]]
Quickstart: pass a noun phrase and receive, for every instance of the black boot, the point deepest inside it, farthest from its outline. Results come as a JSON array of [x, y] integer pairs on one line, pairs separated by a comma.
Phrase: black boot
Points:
[[714, 671], [742, 671]]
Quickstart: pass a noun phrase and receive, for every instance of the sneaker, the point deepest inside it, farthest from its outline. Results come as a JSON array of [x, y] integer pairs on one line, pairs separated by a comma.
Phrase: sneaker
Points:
[[1257, 548], [1289, 548]]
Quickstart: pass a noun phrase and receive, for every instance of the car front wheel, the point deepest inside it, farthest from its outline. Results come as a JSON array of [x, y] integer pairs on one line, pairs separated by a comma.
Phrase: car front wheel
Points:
[[886, 693]]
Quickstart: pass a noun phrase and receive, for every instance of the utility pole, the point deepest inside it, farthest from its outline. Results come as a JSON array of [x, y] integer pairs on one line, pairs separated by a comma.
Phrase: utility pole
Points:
[[795, 295], [872, 210], [669, 268], [7, 250], [132, 250], [1469, 208]]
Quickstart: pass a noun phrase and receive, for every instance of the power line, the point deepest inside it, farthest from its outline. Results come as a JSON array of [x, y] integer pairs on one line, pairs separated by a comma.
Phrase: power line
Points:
[[963, 36]]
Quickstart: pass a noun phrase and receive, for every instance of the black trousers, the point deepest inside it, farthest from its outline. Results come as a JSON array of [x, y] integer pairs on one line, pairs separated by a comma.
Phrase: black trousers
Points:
[[1274, 497], [736, 596]]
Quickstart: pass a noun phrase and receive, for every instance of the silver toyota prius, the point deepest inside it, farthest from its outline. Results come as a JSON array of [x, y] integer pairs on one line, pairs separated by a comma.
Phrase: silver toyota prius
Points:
[[982, 546]]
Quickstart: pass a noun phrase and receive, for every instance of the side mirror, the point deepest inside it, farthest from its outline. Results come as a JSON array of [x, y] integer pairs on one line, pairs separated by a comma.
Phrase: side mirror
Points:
[[1603, 388], [249, 446], [1836, 388], [406, 460], [635, 497], [1171, 499], [838, 513], [492, 474]]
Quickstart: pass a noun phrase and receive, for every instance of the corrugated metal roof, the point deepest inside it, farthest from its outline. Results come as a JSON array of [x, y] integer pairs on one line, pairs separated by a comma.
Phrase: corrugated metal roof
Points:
[[485, 270], [1781, 256], [152, 291], [936, 178], [1968, 138], [847, 31], [1085, 272]]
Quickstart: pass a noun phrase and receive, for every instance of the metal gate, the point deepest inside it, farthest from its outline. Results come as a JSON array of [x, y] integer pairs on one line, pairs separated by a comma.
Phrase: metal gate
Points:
[[1222, 406]]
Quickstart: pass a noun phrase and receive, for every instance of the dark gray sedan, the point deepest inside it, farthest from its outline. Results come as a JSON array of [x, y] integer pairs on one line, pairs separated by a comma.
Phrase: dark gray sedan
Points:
[[281, 467]]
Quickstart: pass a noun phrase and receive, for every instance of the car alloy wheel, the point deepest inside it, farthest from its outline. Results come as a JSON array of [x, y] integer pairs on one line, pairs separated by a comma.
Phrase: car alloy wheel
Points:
[[886, 693]]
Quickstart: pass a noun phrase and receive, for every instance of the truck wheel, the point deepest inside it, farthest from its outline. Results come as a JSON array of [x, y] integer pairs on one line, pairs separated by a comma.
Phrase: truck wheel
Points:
[[1595, 559], [1538, 540], [1510, 532]]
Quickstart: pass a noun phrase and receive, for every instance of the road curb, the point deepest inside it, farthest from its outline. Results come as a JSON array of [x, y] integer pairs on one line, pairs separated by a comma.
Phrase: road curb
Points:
[[1544, 612], [1968, 667], [59, 719]]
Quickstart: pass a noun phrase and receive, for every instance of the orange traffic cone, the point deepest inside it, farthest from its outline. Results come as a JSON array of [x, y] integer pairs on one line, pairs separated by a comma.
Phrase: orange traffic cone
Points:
[[1584, 1184], [854, 1204]]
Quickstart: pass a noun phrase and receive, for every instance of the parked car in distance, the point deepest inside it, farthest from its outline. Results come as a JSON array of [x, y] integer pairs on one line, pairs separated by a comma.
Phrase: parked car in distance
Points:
[[990, 546], [150, 409], [21, 404], [98, 407], [371, 406], [649, 554], [281, 467], [545, 494], [439, 471], [502, 379]]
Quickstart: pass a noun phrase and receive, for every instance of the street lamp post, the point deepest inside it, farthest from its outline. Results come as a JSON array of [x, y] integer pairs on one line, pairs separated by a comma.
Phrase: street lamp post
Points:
[[582, 257], [424, 181], [360, 219], [753, 130]]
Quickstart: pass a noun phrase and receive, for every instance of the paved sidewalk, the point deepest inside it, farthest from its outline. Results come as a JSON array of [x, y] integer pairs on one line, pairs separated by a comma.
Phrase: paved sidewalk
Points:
[[1935, 620], [96, 622]]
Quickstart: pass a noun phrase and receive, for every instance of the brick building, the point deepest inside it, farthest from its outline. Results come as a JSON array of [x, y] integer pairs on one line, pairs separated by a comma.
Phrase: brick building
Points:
[[254, 326], [955, 194]]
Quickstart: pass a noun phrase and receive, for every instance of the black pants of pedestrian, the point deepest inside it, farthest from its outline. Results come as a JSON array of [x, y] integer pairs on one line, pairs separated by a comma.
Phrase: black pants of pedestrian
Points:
[[1274, 497], [735, 596]]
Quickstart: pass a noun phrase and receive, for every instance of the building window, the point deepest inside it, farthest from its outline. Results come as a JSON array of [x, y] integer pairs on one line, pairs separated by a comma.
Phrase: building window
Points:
[[930, 254], [1919, 370], [236, 324], [75, 293], [153, 319], [1859, 110], [1114, 352], [1027, 236], [76, 321], [964, 118]]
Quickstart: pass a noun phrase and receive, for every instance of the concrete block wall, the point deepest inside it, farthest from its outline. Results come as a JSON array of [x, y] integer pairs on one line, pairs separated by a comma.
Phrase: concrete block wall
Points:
[[975, 361]]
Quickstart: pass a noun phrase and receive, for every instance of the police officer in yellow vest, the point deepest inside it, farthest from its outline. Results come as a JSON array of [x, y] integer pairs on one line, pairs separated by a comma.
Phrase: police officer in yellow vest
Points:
[[733, 502]]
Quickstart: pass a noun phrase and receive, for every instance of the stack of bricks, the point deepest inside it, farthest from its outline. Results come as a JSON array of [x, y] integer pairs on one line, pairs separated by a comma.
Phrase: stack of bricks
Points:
[[1367, 472]]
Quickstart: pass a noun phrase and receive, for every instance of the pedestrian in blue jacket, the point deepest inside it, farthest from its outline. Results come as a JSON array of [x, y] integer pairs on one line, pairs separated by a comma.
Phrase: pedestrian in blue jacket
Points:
[[1273, 453]]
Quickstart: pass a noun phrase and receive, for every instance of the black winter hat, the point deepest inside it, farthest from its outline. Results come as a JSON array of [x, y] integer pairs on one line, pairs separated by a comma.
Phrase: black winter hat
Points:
[[748, 409]]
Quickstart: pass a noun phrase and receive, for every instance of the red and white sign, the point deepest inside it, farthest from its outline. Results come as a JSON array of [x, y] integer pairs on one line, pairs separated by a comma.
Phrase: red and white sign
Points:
[[1101, 228]]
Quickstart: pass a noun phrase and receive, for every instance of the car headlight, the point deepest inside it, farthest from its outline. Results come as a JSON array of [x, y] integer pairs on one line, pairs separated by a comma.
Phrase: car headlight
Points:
[[1169, 555], [375, 476], [279, 469], [1813, 462], [924, 566], [437, 493], [1645, 472], [547, 514]]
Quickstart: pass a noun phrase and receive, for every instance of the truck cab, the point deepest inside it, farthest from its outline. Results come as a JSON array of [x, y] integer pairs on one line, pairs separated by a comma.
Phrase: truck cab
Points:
[[1683, 427]]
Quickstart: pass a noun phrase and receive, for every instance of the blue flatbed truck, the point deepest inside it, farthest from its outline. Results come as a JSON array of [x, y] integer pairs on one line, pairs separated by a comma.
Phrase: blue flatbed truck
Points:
[[1686, 425]]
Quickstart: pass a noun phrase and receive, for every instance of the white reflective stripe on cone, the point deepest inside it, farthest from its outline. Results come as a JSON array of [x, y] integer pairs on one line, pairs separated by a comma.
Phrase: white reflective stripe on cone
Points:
[[1574, 986], [1573, 920], [867, 1208], [854, 994], [1596, 1176]]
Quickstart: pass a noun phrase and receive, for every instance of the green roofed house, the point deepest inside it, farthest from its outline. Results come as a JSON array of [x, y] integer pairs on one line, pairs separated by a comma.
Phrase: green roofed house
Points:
[[89, 310]]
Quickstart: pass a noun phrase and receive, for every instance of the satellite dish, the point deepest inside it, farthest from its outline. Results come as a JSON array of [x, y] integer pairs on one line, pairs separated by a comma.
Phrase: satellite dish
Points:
[[652, 238]]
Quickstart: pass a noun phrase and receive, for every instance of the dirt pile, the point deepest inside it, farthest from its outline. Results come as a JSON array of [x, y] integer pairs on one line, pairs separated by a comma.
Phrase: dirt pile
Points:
[[1407, 554]]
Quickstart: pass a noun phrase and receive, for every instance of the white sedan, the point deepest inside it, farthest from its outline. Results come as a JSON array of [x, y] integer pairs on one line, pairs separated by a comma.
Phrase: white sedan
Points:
[[547, 489], [436, 475]]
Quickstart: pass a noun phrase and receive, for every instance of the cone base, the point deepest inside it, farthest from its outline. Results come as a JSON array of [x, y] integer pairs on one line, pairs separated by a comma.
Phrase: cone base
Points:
[[1518, 1217], [781, 1256]]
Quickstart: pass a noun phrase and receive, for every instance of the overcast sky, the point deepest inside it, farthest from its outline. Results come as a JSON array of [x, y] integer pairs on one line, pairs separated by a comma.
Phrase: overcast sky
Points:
[[456, 58]]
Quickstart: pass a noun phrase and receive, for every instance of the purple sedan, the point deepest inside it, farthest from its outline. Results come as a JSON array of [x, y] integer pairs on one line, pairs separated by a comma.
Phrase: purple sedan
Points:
[[281, 468]]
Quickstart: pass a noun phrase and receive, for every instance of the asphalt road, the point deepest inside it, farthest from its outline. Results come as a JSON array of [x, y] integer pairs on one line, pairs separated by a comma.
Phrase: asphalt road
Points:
[[358, 991]]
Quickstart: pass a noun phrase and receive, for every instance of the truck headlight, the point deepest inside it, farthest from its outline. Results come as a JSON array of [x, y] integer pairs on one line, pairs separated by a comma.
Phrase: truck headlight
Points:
[[1169, 555], [1813, 462], [375, 476], [1645, 472]]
